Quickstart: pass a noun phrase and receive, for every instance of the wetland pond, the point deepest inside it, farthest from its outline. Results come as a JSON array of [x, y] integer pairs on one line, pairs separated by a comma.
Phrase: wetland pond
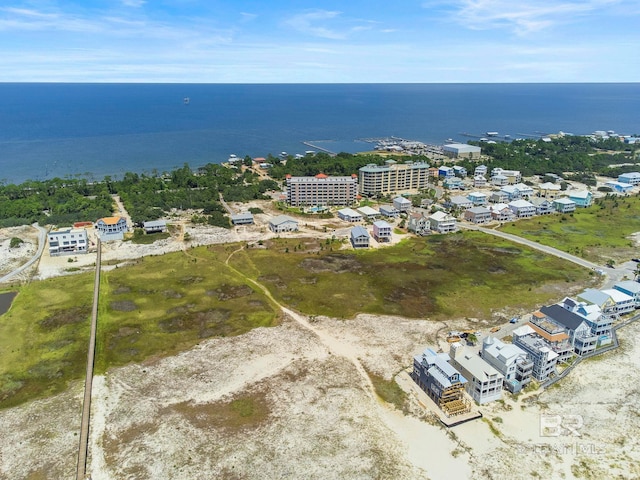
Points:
[[5, 301]]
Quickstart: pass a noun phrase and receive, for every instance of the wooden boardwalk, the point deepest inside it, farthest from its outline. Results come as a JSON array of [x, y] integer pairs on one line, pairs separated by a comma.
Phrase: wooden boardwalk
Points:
[[88, 383]]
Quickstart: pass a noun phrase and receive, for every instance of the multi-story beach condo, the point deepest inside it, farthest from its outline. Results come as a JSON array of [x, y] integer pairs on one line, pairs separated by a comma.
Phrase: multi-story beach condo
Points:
[[321, 190], [393, 178]]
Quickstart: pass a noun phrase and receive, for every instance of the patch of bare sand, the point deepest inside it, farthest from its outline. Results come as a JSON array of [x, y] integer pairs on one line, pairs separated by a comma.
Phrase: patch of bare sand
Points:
[[12, 258], [286, 402]]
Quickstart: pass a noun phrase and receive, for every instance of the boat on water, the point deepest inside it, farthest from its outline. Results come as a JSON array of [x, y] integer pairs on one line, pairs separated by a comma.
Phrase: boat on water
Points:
[[492, 134], [186, 100]]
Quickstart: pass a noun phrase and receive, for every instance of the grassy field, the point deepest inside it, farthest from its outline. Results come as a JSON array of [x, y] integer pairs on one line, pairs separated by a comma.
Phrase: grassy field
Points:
[[165, 304], [440, 276], [598, 233]]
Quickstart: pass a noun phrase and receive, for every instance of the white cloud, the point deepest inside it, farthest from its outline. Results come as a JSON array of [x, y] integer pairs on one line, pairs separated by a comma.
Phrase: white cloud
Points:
[[524, 16], [308, 23], [133, 3]]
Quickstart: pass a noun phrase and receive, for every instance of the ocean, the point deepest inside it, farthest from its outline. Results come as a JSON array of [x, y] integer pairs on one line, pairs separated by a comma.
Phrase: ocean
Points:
[[93, 130]]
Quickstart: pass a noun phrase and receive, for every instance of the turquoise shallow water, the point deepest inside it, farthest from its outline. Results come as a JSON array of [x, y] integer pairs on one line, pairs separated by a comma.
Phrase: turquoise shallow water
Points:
[[93, 130]]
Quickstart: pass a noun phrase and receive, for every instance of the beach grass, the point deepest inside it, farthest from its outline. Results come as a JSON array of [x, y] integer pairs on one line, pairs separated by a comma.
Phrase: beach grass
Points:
[[161, 305], [598, 233]]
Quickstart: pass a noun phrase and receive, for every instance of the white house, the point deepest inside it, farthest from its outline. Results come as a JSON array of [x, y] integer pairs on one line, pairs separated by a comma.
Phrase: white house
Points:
[[484, 383], [402, 204], [522, 208], [70, 241], [349, 215], [283, 223], [442, 222], [510, 360], [564, 205], [631, 288]]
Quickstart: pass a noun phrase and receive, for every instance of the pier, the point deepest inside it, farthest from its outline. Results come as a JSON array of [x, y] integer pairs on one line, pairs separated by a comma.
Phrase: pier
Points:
[[309, 144]]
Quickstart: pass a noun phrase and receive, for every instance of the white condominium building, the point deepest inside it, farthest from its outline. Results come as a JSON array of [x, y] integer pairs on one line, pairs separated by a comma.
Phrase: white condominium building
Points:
[[393, 178]]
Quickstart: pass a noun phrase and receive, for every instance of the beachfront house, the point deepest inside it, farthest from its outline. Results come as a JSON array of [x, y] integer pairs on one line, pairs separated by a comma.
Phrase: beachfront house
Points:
[[441, 382], [484, 383], [512, 176], [283, 223], [111, 228], [581, 337], [564, 205], [553, 333], [359, 237], [349, 215], [631, 288], [442, 222], [624, 303], [538, 352], [382, 231], [69, 241], [478, 215], [631, 178], [583, 198], [599, 322], [510, 360], [599, 298]]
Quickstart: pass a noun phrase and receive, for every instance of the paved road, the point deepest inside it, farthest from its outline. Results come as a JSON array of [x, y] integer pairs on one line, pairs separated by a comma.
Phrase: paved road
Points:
[[88, 383], [42, 241]]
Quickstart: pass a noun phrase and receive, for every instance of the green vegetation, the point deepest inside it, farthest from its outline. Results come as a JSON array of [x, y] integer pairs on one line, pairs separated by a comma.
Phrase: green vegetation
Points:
[[159, 306], [15, 242], [388, 390], [142, 238], [595, 233], [462, 275]]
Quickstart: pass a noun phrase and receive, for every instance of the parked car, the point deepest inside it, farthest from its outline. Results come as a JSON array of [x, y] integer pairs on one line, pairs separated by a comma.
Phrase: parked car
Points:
[[513, 320]]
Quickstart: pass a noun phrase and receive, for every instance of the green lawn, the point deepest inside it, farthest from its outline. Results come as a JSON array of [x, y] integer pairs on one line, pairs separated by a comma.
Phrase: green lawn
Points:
[[598, 233], [165, 304]]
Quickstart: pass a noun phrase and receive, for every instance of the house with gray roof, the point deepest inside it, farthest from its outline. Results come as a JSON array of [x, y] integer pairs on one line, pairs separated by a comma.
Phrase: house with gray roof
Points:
[[443, 383], [243, 218], [484, 383], [631, 178], [543, 206], [402, 204], [522, 208], [349, 215], [582, 339], [283, 223], [389, 211], [510, 360], [155, 226], [564, 205], [359, 237], [478, 215]]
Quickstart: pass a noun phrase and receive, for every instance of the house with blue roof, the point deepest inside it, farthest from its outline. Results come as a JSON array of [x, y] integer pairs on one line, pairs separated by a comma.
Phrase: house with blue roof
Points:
[[583, 198], [618, 186], [630, 288], [632, 178], [359, 237]]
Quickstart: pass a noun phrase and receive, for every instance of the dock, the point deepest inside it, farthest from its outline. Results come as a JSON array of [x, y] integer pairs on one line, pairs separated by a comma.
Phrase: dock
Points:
[[309, 144]]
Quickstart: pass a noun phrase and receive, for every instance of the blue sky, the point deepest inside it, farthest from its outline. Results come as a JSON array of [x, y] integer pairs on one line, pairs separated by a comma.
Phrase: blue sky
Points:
[[286, 41]]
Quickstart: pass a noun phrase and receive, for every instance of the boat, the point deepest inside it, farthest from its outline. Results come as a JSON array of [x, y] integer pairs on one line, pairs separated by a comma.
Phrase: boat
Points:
[[186, 100], [492, 134]]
